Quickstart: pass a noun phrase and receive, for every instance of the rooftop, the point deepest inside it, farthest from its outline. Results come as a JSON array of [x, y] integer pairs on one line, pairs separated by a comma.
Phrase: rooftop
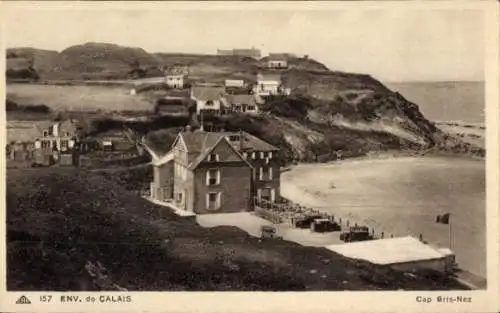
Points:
[[269, 76], [241, 99], [388, 251], [208, 92]]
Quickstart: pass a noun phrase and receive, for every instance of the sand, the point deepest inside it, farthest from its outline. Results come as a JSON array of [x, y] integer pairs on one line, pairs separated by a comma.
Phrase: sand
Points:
[[402, 196]]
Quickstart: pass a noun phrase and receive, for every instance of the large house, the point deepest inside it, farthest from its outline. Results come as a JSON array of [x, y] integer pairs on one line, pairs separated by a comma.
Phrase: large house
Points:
[[208, 172], [57, 142], [241, 103], [208, 99], [268, 84]]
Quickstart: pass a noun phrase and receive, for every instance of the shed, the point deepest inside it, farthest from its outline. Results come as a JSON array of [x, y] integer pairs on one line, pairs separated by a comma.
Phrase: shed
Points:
[[402, 253]]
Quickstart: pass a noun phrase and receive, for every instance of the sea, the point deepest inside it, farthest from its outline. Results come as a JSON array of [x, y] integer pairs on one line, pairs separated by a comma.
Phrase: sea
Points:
[[403, 196], [445, 101]]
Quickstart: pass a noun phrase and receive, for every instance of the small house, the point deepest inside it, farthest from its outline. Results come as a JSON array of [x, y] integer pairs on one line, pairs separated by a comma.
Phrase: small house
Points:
[[238, 83], [277, 61], [175, 80], [241, 103], [268, 84], [208, 98]]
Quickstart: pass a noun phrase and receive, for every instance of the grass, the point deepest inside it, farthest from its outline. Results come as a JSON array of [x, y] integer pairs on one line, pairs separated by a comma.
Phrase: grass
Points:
[[59, 219], [78, 98]]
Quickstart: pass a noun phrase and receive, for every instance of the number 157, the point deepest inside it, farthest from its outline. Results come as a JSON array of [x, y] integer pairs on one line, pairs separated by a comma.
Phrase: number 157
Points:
[[46, 298]]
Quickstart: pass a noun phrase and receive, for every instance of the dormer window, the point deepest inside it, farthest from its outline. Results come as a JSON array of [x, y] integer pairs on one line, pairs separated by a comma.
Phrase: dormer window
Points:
[[213, 157], [210, 103], [233, 138], [45, 133]]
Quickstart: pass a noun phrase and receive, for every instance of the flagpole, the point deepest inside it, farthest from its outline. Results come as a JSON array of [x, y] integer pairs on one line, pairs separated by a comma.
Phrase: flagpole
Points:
[[450, 231]]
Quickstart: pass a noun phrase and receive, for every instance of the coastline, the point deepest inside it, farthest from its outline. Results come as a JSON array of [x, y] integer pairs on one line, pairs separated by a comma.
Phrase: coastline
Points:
[[342, 188]]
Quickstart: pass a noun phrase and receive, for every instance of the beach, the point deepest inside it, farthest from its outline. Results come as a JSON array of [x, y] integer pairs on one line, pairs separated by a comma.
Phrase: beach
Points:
[[402, 196]]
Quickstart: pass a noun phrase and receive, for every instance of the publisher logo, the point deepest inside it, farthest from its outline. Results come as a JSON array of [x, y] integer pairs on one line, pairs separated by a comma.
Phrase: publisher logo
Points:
[[23, 300]]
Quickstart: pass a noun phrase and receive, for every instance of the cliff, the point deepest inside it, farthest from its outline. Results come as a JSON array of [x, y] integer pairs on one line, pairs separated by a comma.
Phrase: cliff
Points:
[[330, 112]]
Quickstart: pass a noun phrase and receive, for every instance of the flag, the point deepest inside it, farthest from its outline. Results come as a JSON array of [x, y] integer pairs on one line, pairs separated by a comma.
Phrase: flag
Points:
[[443, 219]]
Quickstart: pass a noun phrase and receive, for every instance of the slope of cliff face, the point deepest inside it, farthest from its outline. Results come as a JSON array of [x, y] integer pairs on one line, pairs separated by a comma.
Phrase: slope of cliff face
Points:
[[329, 112]]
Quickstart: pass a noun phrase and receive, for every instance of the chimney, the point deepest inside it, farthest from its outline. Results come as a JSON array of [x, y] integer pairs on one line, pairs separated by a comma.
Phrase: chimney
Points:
[[241, 139]]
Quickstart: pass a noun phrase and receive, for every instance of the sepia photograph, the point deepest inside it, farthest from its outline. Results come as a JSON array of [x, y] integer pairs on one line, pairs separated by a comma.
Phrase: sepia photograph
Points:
[[262, 148]]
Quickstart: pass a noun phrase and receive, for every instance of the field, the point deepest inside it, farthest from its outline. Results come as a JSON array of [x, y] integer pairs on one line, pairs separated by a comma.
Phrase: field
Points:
[[78, 98]]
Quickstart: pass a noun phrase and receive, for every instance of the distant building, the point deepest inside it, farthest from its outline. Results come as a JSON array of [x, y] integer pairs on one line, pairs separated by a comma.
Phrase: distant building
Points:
[[244, 103], [175, 80], [207, 172], [175, 77], [234, 83], [251, 53], [208, 99], [268, 84], [277, 61], [56, 139]]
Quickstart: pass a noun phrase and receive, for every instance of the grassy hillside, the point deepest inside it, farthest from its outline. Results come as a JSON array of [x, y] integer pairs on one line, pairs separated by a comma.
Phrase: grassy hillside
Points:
[[329, 110], [52, 234]]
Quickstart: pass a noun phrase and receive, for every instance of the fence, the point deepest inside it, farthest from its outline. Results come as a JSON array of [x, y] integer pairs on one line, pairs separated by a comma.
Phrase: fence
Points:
[[286, 211]]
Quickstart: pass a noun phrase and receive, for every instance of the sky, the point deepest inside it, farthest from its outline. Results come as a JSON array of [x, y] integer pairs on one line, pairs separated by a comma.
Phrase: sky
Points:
[[390, 44]]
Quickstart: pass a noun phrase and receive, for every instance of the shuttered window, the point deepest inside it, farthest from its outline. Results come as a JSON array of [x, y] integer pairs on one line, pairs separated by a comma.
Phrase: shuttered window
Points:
[[213, 200], [213, 177]]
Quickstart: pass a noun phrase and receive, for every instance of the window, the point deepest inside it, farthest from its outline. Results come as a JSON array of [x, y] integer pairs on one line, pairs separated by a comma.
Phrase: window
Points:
[[46, 144], [265, 173], [64, 144], [270, 155], [262, 155], [250, 108], [213, 177], [209, 103], [213, 200], [245, 155], [179, 197], [67, 134], [213, 157], [234, 138], [45, 133], [267, 194], [253, 155]]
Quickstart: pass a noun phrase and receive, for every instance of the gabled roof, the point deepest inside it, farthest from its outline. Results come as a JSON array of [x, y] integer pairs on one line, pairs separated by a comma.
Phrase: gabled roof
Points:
[[241, 99], [252, 143], [269, 76], [208, 149], [207, 93], [278, 57], [202, 144]]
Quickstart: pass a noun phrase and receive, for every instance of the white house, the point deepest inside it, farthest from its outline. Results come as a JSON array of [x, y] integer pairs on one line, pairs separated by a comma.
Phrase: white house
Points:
[[234, 83], [277, 60], [208, 98], [174, 80], [268, 84]]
